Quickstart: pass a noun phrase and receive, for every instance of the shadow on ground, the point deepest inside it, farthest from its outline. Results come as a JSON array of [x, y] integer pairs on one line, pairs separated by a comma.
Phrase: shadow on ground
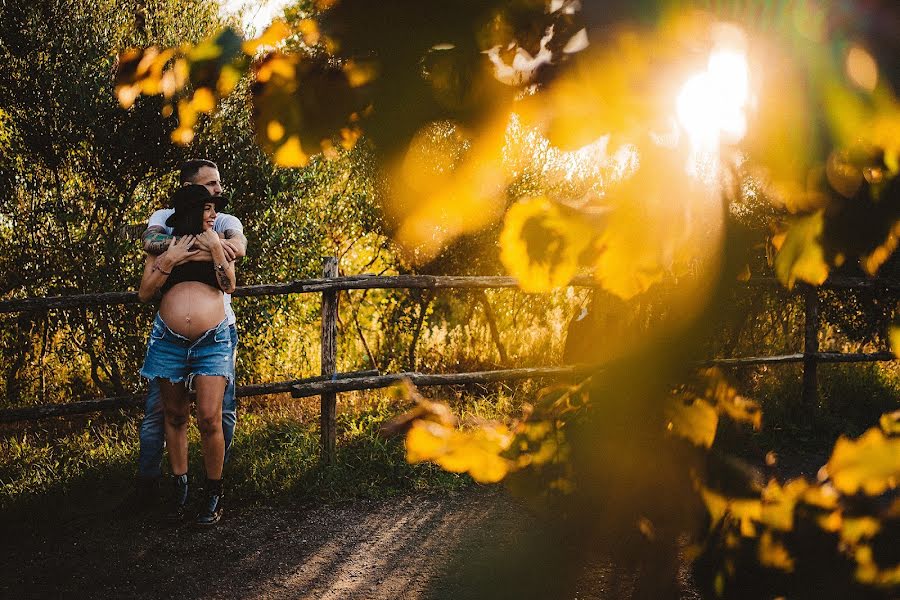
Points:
[[456, 545]]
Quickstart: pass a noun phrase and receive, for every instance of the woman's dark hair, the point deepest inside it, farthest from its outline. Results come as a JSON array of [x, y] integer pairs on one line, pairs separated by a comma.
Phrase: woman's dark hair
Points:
[[188, 202]]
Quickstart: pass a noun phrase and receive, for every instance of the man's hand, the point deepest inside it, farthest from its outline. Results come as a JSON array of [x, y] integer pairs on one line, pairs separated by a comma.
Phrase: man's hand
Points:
[[205, 245], [237, 242], [231, 248]]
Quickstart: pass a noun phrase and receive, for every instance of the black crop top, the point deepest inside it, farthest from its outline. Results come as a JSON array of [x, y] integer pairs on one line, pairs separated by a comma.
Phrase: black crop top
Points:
[[192, 271]]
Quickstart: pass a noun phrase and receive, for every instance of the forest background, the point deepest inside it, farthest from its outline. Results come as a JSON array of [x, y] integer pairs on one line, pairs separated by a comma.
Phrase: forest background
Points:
[[75, 191]]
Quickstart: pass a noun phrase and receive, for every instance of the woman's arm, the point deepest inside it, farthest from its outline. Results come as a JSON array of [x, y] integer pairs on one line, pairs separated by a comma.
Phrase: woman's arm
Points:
[[158, 268], [224, 268]]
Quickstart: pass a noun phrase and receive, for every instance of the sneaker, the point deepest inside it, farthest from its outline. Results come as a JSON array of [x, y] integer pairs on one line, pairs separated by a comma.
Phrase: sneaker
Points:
[[176, 510], [211, 510]]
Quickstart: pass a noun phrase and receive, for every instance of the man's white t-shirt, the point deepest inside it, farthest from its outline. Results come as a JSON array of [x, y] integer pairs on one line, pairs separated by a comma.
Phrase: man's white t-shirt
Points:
[[222, 224]]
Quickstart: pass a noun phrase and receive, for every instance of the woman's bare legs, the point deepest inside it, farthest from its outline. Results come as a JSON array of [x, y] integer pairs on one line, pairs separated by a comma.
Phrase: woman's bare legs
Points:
[[210, 391], [177, 411]]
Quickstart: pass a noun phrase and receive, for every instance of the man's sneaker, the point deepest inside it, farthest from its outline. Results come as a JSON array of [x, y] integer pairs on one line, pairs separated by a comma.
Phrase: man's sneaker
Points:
[[176, 509], [211, 509]]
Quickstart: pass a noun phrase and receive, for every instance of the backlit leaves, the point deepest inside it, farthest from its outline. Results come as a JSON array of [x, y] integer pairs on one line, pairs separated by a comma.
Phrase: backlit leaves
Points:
[[870, 464], [800, 252], [541, 244], [693, 412], [303, 107], [694, 420], [476, 451]]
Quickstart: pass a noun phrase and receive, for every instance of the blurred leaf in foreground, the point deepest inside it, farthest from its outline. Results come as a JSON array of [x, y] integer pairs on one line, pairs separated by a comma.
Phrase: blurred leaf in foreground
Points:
[[800, 252], [870, 464], [541, 243]]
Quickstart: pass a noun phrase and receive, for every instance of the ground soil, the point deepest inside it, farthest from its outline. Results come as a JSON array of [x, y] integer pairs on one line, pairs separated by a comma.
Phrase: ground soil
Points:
[[415, 547]]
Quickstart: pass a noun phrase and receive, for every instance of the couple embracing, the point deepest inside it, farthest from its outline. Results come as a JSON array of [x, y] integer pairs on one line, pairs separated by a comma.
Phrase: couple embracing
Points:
[[190, 265]]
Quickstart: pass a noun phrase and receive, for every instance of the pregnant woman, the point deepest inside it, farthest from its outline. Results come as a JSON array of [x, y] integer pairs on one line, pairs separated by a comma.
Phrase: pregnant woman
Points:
[[189, 349]]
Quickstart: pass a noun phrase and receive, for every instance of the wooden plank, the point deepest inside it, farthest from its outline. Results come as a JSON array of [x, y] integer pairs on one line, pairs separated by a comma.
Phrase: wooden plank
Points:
[[364, 282], [752, 360], [429, 379], [822, 357], [33, 413], [260, 389], [328, 414]]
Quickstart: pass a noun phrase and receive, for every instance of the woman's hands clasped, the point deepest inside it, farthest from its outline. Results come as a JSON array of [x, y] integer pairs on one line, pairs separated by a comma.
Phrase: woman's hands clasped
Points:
[[179, 250]]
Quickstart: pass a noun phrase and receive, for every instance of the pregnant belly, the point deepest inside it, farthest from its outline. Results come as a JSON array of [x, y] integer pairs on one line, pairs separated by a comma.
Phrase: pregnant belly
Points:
[[190, 308]]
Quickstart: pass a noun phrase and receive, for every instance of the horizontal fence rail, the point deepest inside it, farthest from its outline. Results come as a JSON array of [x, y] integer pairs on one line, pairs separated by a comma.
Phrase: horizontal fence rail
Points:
[[386, 282], [330, 383], [132, 400]]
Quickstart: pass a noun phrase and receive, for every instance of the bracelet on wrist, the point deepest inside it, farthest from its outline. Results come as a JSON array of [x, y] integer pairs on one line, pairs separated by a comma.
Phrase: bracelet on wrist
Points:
[[156, 267]]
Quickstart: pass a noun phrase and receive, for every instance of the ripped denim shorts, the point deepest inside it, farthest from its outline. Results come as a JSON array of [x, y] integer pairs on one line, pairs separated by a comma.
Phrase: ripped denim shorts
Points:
[[174, 357]]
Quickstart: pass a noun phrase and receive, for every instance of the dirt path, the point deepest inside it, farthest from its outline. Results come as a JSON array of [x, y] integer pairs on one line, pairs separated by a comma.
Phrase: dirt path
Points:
[[414, 547]]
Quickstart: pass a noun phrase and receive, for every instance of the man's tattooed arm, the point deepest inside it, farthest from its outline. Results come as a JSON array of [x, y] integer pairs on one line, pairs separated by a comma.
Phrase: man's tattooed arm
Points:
[[155, 240], [235, 239], [226, 280]]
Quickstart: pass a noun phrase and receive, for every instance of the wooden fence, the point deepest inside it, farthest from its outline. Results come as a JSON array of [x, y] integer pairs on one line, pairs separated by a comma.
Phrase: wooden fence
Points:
[[330, 382]]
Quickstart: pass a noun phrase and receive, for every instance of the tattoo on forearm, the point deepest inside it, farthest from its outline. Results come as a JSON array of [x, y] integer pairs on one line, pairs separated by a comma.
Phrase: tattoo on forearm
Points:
[[156, 243], [237, 236], [224, 281]]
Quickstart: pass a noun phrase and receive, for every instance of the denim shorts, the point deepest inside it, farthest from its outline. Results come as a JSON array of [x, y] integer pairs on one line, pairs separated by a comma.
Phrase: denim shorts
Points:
[[174, 357]]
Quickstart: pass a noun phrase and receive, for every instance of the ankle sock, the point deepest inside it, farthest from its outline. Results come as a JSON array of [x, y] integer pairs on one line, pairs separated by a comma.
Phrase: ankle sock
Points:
[[214, 487]]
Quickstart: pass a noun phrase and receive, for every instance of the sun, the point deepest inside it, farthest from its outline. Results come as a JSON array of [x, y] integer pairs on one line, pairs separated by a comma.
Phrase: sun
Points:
[[712, 104]]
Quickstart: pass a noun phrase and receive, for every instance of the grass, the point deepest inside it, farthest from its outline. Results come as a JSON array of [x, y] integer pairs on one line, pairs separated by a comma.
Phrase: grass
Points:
[[851, 399], [58, 470]]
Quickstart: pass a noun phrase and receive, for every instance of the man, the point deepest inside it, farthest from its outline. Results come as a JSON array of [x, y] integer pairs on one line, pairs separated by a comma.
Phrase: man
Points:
[[156, 240]]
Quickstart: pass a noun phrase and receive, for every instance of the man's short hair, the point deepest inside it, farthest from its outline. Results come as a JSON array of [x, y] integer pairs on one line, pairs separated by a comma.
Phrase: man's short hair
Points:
[[190, 168]]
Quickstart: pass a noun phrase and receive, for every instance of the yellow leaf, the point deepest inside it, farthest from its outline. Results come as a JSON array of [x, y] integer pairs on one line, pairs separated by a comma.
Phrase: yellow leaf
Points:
[[720, 506], [854, 529], [476, 452], [695, 422], [870, 463], [890, 422], [778, 503], [359, 73], [228, 80], [867, 570], [183, 135], [290, 154], [203, 100], [727, 400], [774, 554], [310, 31], [275, 33], [801, 255], [276, 66], [275, 130], [540, 244], [208, 49]]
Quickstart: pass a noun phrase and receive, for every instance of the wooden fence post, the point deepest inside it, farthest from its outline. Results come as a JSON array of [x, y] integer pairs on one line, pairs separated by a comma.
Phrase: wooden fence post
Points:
[[328, 413], [810, 349]]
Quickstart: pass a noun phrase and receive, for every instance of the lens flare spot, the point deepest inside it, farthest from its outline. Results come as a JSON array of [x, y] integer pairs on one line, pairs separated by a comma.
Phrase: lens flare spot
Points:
[[861, 68]]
